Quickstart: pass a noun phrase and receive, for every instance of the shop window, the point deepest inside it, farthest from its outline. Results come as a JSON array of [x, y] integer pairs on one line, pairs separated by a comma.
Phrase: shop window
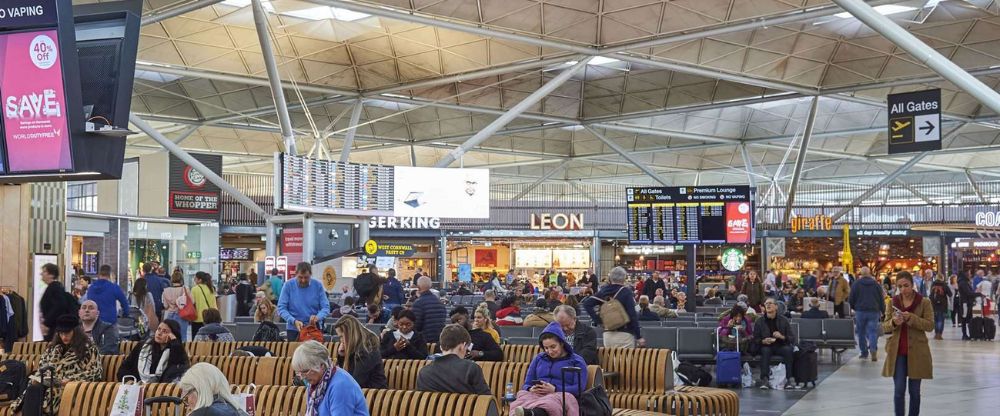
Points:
[[81, 196]]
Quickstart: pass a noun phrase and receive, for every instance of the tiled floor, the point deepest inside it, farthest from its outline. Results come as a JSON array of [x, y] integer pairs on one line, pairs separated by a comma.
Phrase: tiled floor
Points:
[[966, 382]]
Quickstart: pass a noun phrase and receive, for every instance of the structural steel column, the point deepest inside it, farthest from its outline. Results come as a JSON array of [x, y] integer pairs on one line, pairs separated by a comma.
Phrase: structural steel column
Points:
[[625, 154], [177, 11], [801, 160], [925, 54], [345, 151], [877, 187], [511, 114], [277, 92], [194, 163], [543, 178], [748, 164]]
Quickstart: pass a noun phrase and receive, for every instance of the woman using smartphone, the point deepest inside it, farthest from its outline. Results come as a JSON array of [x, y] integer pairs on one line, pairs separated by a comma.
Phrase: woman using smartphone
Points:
[[908, 359]]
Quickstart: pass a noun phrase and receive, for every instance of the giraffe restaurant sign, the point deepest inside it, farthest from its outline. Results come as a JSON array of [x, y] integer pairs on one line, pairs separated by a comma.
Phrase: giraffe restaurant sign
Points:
[[815, 223]]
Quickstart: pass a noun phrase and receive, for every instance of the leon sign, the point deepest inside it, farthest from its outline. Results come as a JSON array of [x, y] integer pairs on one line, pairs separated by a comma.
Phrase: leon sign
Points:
[[560, 222]]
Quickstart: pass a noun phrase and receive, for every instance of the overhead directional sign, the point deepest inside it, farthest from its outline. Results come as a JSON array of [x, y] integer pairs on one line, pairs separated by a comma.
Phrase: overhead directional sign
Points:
[[915, 121]]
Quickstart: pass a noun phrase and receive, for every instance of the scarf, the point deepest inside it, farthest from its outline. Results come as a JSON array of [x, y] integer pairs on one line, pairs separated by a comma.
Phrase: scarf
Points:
[[396, 334], [146, 358], [318, 392]]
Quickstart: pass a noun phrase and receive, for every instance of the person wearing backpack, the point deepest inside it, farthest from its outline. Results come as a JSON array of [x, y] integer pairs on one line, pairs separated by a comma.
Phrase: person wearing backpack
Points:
[[622, 327], [940, 295], [142, 299], [368, 286]]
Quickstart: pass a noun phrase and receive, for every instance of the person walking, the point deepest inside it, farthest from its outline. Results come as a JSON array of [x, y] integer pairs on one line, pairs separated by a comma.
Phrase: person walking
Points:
[[392, 290], [629, 335], [754, 289], [967, 298], [245, 294], [173, 301], [841, 291], [953, 302], [105, 294], [203, 293], [867, 300], [142, 299], [908, 355], [940, 295], [303, 301], [55, 302], [155, 285], [431, 314]]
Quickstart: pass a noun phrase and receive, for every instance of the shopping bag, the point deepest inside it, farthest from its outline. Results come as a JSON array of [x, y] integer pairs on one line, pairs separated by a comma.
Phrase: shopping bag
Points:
[[676, 363], [246, 401], [746, 377], [777, 381], [128, 398]]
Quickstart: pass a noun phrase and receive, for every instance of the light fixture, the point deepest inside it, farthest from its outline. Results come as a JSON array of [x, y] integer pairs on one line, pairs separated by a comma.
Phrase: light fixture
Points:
[[884, 10], [312, 13]]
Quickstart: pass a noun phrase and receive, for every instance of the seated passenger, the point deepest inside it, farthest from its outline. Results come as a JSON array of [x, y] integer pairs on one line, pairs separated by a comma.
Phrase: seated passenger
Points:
[[482, 321], [330, 391], [660, 309], [213, 331], [773, 335], [377, 314], [161, 359], [358, 353], [103, 335], [263, 309], [543, 384], [72, 357], [540, 317], [713, 298], [814, 312], [403, 343], [645, 314], [735, 325], [797, 302], [206, 392], [483, 348], [581, 337], [451, 372], [510, 312]]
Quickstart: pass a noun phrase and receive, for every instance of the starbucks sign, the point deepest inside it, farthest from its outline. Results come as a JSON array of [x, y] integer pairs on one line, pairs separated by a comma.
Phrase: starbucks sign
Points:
[[733, 259]]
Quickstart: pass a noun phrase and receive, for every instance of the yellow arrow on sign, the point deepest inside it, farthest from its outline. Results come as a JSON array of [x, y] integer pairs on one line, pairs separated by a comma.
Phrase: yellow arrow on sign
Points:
[[899, 125]]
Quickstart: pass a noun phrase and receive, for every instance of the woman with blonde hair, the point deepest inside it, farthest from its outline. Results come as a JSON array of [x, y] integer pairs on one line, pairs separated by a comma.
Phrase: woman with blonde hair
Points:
[[481, 320], [205, 392], [358, 353]]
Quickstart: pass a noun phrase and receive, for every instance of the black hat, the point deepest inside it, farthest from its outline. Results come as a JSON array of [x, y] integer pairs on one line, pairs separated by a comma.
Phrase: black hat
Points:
[[67, 323]]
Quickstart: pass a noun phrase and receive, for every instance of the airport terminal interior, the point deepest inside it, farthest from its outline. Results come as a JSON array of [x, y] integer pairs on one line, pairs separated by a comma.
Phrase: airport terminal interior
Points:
[[649, 180]]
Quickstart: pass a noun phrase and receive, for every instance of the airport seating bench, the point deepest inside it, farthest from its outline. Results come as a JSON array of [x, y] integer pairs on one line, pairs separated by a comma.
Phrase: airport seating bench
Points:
[[837, 335]]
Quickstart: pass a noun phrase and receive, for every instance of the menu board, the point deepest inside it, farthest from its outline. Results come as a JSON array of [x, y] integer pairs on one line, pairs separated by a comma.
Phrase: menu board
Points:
[[234, 254], [328, 187], [690, 215], [528, 258], [571, 259]]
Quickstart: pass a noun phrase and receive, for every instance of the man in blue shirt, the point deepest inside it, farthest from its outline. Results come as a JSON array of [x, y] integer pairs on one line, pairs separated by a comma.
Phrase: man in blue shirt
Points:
[[303, 301], [980, 274], [155, 286], [105, 294], [392, 290]]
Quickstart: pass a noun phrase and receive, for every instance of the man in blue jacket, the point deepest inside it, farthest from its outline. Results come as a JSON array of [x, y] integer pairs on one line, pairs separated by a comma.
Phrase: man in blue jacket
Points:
[[105, 293], [155, 286], [868, 302], [303, 302], [431, 313], [392, 290], [628, 335]]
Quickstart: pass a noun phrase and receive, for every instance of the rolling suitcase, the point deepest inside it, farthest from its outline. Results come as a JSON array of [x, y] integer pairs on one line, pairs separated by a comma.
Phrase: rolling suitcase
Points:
[[727, 363], [33, 403], [977, 328], [989, 329], [176, 402], [806, 364]]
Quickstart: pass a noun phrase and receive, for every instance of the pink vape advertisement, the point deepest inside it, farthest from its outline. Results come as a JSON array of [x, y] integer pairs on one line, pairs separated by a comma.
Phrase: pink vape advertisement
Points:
[[34, 103]]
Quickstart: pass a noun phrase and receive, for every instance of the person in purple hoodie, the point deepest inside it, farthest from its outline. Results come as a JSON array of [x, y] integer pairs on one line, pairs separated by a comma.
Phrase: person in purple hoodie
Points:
[[541, 394]]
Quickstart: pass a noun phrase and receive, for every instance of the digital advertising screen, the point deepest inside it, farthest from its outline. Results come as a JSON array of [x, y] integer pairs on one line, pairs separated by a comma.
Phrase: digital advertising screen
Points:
[[690, 215], [35, 124], [441, 192]]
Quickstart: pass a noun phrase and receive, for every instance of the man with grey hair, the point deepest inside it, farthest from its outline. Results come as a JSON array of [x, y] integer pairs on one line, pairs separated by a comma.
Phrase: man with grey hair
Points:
[[628, 335], [431, 313], [581, 337]]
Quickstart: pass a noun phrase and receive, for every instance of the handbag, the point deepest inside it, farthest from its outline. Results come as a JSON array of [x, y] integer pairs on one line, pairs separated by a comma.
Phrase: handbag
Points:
[[188, 311], [612, 313], [310, 333], [593, 402], [128, 399]]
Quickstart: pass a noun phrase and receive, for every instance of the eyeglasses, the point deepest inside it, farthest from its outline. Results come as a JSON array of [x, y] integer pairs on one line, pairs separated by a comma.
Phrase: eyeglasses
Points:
[[184, 396], [302, 373]]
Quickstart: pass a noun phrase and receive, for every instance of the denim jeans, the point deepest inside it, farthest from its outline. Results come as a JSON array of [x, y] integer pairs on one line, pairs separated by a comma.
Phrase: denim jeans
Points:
[[866, 325], [901, 380], [939, 322], [176, 316]]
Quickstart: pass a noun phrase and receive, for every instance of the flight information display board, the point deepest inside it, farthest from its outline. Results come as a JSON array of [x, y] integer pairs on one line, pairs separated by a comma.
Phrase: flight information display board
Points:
[[328, 187], [690, 215]]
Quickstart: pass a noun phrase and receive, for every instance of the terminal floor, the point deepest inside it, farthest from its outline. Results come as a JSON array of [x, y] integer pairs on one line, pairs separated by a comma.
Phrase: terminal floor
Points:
[[966, 382]]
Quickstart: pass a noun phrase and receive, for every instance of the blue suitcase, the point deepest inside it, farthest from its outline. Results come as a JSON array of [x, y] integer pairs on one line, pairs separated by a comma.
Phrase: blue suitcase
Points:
[[727, 364]]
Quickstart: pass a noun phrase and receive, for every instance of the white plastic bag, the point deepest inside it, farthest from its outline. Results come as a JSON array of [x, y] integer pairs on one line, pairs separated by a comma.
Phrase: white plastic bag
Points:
[[246, 401], [128, 399], [777, 380], [746, 377], [676, 363]]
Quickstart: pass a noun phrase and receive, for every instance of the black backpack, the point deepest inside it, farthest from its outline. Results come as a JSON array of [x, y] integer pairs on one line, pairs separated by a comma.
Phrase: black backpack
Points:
[[938, 298], [365, 285], [693, 375], [267, 332], [13, 379]]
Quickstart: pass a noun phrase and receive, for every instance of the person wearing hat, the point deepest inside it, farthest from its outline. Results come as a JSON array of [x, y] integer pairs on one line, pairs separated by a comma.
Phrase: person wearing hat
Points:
[[72, 357], [160, 359]]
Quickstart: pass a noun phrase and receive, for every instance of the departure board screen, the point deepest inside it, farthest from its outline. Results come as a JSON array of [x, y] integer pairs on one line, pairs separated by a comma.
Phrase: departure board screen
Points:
[[690, 215], [329, 187]]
